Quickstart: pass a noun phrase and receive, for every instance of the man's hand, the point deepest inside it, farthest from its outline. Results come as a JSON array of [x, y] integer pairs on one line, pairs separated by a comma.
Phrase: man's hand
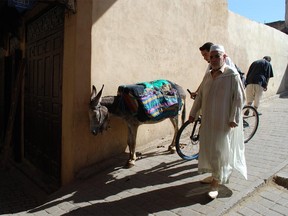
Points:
[[191, 119], [233, 124]]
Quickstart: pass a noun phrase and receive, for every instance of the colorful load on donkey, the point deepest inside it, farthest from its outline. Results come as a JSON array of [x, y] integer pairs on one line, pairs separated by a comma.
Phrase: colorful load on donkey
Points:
[[154, 100]]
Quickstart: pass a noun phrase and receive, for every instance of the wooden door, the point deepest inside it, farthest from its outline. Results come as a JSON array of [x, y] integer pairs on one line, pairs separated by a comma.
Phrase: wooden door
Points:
[[43, 92]]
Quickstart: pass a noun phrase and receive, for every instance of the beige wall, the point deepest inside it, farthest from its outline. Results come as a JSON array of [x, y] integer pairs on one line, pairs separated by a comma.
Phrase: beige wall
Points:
[[76, 81], [129, 41], [134, 41]]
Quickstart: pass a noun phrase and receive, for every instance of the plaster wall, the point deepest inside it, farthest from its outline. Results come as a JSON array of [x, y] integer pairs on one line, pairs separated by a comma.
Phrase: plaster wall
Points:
[[115, 42], [76, 81]]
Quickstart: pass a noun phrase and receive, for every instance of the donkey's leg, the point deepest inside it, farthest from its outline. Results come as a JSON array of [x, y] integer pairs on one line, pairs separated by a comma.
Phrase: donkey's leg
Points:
[[172, 147], [132, 133]]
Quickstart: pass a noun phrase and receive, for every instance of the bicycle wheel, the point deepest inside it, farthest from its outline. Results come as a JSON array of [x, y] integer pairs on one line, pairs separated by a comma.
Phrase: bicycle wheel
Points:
[[187, 140], [250, 122]]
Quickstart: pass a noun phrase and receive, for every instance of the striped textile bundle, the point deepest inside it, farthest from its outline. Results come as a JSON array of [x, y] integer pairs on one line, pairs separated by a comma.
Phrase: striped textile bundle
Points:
[[159, 103], [154, 100]]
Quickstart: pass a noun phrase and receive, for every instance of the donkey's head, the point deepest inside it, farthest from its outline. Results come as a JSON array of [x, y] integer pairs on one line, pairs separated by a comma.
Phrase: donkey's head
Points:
[[98, 114]]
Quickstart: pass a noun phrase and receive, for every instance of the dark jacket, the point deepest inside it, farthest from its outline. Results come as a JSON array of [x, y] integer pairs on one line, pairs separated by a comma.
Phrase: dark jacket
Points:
[[259, 73]]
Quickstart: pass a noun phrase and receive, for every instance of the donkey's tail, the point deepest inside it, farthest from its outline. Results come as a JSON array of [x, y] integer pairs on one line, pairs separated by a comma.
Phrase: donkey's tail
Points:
[[183, 115], [182, 96]]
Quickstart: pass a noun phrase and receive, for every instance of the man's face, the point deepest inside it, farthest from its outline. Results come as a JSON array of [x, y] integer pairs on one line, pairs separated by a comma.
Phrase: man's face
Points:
[[217, 59], [205, 55]]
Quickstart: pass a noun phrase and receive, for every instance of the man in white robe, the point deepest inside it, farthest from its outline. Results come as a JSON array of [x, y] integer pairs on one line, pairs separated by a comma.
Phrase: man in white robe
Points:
[[221, 98]]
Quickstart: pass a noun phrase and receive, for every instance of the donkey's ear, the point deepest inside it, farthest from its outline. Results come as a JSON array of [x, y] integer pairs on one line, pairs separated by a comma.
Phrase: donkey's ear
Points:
[[93, 93], [94, 89], [98, 96]]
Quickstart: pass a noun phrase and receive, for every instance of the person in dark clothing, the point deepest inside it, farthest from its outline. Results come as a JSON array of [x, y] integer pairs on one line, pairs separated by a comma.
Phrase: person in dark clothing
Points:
[[257, 79]]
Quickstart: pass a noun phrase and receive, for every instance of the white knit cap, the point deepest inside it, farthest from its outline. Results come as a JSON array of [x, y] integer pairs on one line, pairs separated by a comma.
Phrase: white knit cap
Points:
[[217, 47]]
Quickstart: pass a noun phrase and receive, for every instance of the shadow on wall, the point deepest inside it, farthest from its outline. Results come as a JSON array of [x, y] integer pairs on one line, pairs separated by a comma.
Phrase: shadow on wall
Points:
[[102, 6], [283, 88]]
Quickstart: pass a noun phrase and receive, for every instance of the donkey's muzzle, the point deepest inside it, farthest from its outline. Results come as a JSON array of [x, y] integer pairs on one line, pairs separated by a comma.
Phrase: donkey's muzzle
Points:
[[94, 132]]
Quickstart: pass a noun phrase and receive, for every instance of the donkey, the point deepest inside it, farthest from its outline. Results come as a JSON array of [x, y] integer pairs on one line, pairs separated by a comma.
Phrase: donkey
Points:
[[99, 109]]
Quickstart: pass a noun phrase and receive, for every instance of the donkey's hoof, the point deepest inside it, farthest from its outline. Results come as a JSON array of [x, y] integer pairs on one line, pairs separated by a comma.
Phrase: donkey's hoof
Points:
[[129, 164], [172, 149]]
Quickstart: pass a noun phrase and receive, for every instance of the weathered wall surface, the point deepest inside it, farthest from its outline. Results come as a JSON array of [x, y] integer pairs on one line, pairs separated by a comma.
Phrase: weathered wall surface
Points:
[[134, 41]]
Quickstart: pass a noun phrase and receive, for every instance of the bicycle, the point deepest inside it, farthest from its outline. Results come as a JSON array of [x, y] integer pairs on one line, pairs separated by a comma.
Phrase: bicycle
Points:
[[187, 139]]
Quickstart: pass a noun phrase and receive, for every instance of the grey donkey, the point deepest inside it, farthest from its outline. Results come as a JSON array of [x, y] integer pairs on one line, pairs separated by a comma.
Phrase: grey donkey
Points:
[[101, 107]]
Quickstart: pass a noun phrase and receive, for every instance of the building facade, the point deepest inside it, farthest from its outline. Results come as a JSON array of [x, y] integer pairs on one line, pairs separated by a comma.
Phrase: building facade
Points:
[[70, 46]]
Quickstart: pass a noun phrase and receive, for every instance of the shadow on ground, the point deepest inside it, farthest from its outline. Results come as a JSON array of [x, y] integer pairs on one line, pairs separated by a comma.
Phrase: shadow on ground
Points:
[[18, 193], [119, 191]]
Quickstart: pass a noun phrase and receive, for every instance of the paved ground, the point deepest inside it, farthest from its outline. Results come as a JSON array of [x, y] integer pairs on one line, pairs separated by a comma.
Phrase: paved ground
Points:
[[271, 199], [164, 184]]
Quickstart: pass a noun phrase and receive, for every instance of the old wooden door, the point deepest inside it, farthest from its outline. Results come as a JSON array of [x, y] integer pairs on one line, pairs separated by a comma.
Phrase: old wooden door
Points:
[[43, 92]]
